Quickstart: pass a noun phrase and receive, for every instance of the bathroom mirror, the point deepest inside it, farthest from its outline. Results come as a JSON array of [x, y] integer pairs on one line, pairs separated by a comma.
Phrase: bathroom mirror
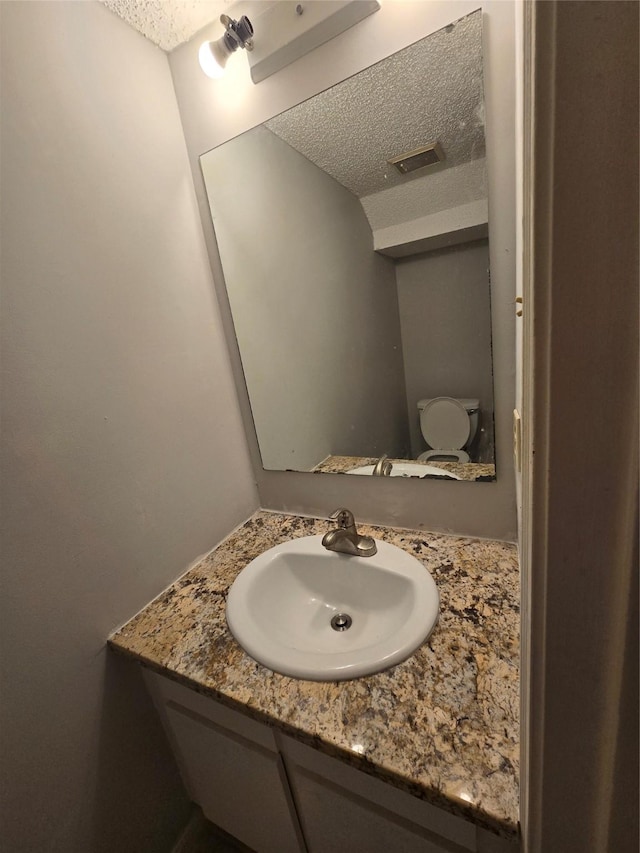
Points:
[[353, 235]]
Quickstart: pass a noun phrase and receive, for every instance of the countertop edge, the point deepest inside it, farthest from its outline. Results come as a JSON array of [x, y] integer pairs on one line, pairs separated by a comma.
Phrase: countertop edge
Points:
[[459, 808]]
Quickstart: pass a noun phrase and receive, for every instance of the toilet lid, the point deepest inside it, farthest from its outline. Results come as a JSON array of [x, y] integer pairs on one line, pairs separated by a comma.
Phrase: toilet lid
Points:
[[445, 424]]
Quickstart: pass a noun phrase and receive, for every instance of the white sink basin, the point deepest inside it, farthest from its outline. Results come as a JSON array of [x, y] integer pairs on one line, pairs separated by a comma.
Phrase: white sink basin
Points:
[[280, 609], [408, 469]]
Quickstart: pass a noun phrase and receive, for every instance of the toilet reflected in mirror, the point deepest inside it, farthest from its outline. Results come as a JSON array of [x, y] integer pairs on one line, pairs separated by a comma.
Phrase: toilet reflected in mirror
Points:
[[448, 427]]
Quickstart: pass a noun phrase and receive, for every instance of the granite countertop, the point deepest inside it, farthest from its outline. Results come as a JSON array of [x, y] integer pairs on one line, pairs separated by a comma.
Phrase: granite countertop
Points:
[[464, 470], [442, 726]]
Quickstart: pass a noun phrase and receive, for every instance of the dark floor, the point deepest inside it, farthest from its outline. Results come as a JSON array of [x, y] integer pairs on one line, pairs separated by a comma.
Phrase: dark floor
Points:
[[212, 839]]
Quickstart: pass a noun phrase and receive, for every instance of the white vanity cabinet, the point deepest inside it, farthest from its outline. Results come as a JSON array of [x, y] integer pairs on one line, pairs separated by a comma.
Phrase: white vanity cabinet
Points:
[[277, 795]]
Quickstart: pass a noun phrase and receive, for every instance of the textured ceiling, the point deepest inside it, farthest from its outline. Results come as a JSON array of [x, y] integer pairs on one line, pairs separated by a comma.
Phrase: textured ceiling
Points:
[[430, 91], [168, 23]]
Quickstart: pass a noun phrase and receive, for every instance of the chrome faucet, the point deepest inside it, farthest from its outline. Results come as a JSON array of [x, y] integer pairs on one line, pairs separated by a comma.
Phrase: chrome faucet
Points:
[[345, 539], [382, 467]]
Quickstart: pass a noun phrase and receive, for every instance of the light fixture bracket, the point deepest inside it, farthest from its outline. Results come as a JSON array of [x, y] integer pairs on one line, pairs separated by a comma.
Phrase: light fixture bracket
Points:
[[237, 33], [288, 30]]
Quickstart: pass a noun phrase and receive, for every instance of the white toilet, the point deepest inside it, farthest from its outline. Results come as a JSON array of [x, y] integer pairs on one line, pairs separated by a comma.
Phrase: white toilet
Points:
[[448, 426]]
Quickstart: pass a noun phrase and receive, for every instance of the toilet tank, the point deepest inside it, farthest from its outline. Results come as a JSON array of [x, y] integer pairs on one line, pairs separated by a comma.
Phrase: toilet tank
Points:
[[470, 403]]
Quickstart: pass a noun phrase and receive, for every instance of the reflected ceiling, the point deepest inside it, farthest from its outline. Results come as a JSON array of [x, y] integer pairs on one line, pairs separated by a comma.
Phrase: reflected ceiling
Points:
[[351, 130]]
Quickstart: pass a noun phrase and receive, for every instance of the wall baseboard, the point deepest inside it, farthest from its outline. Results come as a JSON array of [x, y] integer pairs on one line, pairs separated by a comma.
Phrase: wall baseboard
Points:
[[197, 826], [199, 835]]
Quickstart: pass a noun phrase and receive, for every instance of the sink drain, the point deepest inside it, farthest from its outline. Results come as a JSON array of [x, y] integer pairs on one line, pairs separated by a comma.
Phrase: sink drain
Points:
[[341, 622]]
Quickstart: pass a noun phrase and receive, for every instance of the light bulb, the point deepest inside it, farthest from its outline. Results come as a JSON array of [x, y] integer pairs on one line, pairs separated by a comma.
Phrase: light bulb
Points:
[[213, 57]]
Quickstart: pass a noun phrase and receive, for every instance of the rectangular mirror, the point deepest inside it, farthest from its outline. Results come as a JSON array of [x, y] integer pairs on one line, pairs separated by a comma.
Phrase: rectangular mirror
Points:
[[353, 235]]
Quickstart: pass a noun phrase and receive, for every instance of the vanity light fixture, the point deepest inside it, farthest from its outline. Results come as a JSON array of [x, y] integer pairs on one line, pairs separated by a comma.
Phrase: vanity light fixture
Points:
[[213, 55], [288, 30]]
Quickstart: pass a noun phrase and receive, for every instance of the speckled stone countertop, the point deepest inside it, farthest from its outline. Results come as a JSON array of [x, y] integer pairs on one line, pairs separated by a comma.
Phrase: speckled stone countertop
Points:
[[443, 725], [464, 470]]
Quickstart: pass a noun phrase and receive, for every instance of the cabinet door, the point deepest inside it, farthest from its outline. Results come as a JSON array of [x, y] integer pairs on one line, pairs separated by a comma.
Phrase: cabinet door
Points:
[[335, 819], [238, 784], [317, 780]]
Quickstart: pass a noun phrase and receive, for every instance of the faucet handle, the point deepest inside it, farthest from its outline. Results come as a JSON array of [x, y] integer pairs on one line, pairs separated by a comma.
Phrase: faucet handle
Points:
[[344, 517]]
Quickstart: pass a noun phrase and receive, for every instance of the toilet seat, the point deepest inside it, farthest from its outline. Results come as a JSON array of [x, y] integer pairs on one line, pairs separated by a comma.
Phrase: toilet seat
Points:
[[446, 427], [444, 456]]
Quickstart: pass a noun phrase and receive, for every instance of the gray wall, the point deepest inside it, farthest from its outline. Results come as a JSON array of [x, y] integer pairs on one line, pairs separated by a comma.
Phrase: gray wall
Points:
[[214, 111], [315, 308], [445, 316], [123, 450]]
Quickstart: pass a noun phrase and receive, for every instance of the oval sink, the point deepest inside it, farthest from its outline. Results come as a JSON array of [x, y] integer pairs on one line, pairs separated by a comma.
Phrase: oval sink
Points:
[[409, 469], [310, 613]]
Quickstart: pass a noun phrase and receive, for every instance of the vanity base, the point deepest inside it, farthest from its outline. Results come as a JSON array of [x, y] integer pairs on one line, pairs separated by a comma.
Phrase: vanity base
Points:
[[277, 795]]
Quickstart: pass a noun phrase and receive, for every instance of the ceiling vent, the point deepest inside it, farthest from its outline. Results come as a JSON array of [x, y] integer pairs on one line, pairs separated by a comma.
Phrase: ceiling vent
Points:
[[419, 158]]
